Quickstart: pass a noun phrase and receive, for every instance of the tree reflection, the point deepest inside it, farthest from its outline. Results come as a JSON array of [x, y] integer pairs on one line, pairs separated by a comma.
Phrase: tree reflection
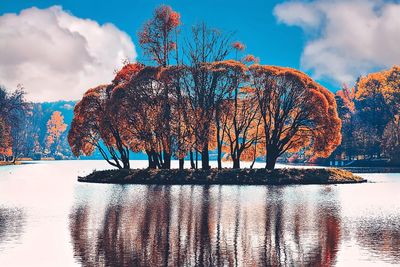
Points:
[[203, 226], [11, 225]]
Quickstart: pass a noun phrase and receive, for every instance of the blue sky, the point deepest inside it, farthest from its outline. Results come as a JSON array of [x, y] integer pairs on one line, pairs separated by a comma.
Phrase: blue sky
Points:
[[329, 40], [254, 24]]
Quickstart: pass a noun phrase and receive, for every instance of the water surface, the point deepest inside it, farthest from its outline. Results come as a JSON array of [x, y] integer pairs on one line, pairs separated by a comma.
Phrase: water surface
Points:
[[49, 219]]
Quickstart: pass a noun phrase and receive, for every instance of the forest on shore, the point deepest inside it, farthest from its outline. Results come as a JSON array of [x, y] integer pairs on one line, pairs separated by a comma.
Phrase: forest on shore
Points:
[[201, 92]]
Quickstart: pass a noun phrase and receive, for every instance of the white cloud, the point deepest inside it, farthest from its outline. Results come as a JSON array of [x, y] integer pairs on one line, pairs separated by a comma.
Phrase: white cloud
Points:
[[56, 55], [345, 38]]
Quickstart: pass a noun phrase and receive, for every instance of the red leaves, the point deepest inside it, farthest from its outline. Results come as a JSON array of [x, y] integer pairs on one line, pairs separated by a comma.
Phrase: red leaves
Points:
[[5, 139], [250, 59], [348, 96], [156, 37], [299, 109], [170, 18], [127, 71], [238, 46]]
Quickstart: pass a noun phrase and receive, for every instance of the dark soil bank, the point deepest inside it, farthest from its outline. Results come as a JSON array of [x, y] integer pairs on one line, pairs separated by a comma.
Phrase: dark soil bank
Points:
[[225, 176]]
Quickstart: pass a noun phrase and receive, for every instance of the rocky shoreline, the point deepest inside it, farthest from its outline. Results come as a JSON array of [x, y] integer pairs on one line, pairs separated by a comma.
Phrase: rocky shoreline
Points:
[[225, 176]]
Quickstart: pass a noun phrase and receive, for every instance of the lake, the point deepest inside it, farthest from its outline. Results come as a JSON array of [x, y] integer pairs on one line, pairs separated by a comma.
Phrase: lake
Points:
[[47, 218]]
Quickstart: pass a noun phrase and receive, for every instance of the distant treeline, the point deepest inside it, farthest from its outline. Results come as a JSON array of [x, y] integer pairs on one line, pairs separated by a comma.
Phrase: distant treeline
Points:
[[33, 130], [370, 113]]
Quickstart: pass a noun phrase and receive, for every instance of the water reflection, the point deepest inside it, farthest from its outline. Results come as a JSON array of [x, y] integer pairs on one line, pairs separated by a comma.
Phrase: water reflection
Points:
[[381, 237], [11, 226], [205, 226]]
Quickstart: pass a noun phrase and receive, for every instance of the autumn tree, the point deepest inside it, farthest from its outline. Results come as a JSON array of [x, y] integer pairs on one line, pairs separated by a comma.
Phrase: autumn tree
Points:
[[391, 140], [5, 140], [377, 107], [180, 131], [139, 111], [55, 128], [158, 36], [373, 113], [241, 122], [94, 126], [13, 109], [345, 99], [205, 46], [296, 113], [237, 115], [158, 39]]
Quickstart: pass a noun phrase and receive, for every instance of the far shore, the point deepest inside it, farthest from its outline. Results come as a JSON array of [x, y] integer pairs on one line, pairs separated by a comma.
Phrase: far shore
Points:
[[356, 169], [7, 163], [225, 176]]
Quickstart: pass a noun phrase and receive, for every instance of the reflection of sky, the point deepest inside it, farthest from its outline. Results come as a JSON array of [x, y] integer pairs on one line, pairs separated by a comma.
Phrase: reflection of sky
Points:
[[365, 216]]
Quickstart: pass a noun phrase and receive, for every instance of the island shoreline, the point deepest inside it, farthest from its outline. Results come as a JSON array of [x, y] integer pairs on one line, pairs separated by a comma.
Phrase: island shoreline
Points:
[[284, 176]]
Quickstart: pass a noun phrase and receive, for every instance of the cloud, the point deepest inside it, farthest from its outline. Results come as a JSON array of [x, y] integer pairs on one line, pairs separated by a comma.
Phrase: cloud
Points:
[[56, 55], [345, 39]]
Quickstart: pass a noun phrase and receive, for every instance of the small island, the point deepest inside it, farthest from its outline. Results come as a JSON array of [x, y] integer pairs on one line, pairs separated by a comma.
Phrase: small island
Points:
[[224, 176]]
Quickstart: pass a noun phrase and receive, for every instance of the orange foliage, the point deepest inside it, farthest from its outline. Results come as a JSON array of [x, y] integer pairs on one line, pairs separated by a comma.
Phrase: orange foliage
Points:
[[238, 46], [55, 127], [250, 59], [296, 111], [5, 139], [171, 18], [124, 75], [155, 38], [386, 83], [94, 122], [347, 95]]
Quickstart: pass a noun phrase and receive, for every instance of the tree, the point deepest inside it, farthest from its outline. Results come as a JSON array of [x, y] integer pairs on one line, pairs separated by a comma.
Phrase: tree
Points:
[[94, 126], [296, 113], [378, 108], [13, 109], [205, 47], [391, 140], [237, 115], [138, 103], [55, 128], [5, 139], [180, 131], [156, 37], [345, 99], [373, 112]]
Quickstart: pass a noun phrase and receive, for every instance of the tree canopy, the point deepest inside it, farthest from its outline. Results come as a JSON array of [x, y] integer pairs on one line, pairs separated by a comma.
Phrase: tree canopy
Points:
[[204, 101]]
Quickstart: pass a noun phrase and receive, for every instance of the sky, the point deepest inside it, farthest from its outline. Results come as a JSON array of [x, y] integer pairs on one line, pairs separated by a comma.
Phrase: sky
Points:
[[59, 49]]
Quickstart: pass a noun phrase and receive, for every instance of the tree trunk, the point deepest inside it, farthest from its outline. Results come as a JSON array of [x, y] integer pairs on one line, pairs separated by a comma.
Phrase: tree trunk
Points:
[[272, 156], [236, 163], [197, 159], [152, 164], [219, 145], [156, 162], [219, 156], [192, 165], [125, 159], [252, 163], [181, 163], [167, 160], [205, 161], [126, 164]]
